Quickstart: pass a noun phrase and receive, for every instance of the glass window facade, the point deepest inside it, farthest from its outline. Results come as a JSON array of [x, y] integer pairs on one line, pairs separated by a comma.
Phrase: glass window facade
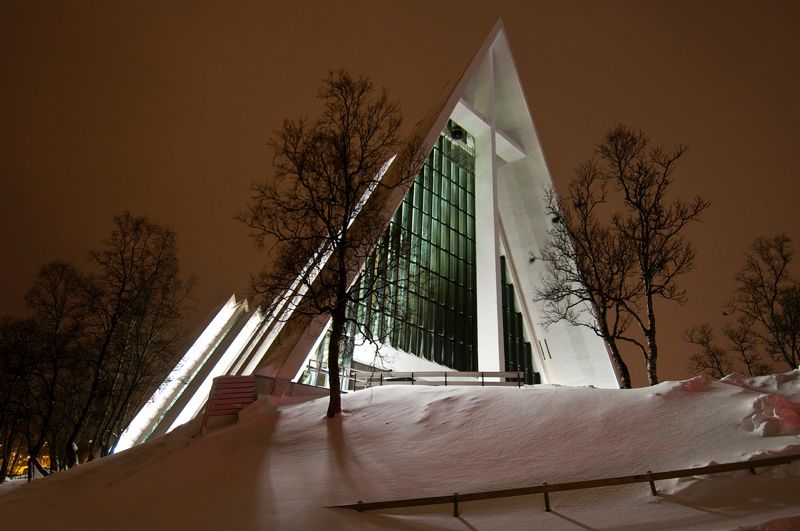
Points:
[[427, 305], [518, 350]]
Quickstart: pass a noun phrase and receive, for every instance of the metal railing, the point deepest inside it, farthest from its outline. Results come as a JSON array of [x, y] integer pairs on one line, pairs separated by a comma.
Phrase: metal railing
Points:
[[318, 372], [481, 378], [354, 379], [547, 489]]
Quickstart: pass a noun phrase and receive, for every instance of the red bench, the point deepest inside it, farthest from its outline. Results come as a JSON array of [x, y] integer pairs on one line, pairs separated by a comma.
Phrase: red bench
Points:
[[229, 395]]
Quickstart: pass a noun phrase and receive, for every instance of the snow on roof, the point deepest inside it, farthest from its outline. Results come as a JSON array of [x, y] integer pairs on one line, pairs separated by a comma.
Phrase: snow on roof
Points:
[[280, 466]]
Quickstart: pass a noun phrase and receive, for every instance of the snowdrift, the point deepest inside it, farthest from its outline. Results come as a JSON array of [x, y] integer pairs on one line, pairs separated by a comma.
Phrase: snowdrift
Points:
[[280, 466]]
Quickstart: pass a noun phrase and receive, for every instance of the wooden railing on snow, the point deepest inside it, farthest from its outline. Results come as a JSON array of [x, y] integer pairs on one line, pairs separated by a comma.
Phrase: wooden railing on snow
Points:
[[546, 489]]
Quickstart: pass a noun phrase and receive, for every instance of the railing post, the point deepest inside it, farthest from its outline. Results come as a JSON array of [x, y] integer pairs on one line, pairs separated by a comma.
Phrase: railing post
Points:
[[455, 504], [546, 498], [445, 378], [412, 378], [653, 490], [482, 384]]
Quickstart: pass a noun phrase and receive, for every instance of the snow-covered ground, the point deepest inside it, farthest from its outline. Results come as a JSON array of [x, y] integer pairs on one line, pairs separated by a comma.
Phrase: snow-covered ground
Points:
[[280, 467]]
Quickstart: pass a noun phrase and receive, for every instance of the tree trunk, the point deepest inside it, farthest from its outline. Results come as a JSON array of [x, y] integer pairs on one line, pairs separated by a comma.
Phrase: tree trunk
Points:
[[33, 457], [619, 363], [652, 347], [616, 357], [71, 453], [33, 462], [337, 331], [111, 435], [6, 466], [15, 462], [105, 346]]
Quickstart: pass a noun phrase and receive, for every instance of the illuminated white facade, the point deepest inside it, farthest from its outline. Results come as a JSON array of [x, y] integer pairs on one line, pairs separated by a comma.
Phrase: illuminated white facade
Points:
[[511, 179], [510, 182], [183, 393]]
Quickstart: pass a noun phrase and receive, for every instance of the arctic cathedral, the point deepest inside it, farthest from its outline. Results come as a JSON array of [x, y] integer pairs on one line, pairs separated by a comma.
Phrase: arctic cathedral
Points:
[[471, 220]]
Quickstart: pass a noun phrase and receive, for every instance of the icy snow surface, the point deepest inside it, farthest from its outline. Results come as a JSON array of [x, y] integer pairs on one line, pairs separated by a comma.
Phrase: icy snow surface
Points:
[[282, 465]]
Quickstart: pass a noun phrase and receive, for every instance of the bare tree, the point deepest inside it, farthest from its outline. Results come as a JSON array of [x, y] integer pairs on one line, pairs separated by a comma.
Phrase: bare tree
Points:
[[93, 345], [744, 343], [718, 361], [137, 300], [712, 359], [588, 266], [18, 362], [766, 305], [315, 216], [653, 224], [768, 295], [645, 235], [61, 315]]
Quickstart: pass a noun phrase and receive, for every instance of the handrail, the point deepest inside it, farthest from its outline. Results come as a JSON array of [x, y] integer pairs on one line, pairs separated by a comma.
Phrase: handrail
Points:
[[345, 373], [446, 378], [546, 489], [482, 378]]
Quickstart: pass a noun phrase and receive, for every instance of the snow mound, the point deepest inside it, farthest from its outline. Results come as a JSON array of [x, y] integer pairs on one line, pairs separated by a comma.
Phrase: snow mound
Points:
[[791, 523], [283, 465], [698, 384], [694, 385], [773, 414], [786, 384], [776, 407]]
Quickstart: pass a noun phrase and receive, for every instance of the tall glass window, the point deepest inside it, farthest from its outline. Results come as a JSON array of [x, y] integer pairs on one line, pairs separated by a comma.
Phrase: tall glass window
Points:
[[518, 349], [430, 246]]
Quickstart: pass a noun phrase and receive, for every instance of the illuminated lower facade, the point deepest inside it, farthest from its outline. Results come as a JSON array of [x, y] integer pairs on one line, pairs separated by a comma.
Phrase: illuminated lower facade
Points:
[[430, 246], [428, 304], [464, 290], [220, 349]]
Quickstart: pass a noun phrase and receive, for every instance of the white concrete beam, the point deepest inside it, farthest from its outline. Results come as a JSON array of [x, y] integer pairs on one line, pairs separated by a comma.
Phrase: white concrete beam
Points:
[[491, 355], [474, 122]]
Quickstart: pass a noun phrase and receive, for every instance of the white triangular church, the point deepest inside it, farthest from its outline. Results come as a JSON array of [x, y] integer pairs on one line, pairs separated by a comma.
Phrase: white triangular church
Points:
[[476, 214]]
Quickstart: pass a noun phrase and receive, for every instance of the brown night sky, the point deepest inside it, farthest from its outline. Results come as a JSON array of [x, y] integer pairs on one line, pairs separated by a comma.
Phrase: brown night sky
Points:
[[163, 108]]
